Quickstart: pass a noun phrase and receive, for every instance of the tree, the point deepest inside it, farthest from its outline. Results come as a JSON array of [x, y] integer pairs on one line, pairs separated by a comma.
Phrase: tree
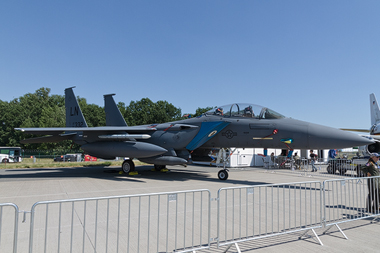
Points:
[[94, 114], [40, 109], [200, 111], [31, 110], [146, 112]]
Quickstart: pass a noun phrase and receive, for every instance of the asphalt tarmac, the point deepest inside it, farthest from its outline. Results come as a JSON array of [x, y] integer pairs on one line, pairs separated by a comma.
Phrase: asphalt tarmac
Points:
[[24, 187]]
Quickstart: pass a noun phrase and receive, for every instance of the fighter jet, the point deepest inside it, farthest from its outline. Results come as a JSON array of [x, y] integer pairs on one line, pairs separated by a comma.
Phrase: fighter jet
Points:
[[239, 125], [374, 131]]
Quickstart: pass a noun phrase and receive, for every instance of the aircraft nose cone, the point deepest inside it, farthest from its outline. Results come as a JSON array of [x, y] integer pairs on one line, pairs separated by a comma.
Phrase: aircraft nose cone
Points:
[[322, 137]]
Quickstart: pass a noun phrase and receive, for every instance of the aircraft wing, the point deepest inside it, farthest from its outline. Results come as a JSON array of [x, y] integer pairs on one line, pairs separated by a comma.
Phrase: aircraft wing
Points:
[[376, 137], [355, 130], [49, 138], [58, 130], [116, 133]]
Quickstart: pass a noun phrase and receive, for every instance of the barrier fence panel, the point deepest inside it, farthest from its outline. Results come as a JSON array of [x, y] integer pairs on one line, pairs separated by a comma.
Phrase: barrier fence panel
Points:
[[253, 212], [350, 199], [161, 222], [8, 227], [333, 168]]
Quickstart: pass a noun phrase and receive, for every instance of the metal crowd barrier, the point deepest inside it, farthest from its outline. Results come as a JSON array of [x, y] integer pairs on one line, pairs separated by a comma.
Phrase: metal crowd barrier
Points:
[[253, 212], [181, 221], [337, 168], [162, 222], [8, 226], [350, 199]]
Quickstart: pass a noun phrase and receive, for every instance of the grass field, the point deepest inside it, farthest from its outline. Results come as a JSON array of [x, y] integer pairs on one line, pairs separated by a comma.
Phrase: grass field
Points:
[[49, 163]]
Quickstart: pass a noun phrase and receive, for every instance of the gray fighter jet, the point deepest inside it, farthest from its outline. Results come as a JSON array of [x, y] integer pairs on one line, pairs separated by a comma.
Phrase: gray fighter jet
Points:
[[234, 125]]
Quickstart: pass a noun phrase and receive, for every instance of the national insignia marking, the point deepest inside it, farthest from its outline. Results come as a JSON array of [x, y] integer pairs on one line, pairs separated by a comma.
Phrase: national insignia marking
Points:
[[229, 134]]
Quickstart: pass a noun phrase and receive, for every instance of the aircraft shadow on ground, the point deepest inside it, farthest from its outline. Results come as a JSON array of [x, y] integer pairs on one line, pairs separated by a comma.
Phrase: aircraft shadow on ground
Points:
[[111, 173]]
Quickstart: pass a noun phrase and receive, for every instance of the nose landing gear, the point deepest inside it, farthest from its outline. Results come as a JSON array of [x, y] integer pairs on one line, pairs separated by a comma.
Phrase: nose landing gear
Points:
[[223, 174], [223, 158]]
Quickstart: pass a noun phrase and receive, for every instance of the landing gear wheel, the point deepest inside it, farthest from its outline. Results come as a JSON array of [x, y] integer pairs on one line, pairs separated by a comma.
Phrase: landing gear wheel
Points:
[[341, 169], [159, 167], [342, 172], [223, 174], [330, 169], [128, 166]]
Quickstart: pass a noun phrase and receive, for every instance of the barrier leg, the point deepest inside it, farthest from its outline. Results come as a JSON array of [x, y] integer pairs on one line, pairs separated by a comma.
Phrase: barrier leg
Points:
[[340, 230], [375, 219], [315, 234], [236, 246]]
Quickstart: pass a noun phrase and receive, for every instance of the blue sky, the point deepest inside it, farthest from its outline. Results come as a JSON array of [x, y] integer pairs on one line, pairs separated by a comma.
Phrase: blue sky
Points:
[[316, 61]]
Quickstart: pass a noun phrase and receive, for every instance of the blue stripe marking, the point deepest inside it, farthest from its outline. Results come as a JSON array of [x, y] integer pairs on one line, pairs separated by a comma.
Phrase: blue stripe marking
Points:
[[207, 131]]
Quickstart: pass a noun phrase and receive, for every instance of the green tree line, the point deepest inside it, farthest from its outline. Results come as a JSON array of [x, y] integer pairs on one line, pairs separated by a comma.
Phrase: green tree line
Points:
[[41, 109]]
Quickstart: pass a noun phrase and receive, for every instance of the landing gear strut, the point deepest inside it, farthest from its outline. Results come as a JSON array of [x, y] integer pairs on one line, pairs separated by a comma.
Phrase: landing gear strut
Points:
[[222, 157], [128, 166]]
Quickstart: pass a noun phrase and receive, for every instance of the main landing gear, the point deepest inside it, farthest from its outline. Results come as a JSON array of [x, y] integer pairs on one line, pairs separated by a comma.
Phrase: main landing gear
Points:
[[128, 166], [161, 168]]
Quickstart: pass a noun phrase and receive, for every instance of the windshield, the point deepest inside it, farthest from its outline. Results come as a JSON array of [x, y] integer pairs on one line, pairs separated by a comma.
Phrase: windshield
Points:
[[245, 110]]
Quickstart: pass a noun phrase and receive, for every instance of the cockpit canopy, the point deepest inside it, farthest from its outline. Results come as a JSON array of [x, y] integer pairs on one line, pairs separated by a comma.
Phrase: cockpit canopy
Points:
[[245, 110]]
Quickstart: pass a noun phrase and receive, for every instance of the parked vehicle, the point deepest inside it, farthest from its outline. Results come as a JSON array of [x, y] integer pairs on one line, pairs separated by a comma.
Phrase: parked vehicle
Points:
[[68, 158], [342, 165], [10, 154], [339, 165]]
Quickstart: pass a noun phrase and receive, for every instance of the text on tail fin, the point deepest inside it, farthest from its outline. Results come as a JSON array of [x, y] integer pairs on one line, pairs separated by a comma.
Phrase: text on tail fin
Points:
[[74, 115]]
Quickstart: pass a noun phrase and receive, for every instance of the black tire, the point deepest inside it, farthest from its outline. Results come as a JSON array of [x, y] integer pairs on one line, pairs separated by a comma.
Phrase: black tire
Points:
[[159, 167], [128, 166], [5, 160], [330, 169], [223, 174], [342, 171]]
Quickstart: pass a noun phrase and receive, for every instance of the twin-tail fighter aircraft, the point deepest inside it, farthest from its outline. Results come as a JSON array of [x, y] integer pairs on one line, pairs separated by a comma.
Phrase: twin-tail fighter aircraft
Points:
[[374, 131], [235, 125]]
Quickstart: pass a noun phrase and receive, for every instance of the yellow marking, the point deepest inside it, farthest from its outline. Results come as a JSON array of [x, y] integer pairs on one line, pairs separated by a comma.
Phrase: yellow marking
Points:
[[260, 138], [212, 133]]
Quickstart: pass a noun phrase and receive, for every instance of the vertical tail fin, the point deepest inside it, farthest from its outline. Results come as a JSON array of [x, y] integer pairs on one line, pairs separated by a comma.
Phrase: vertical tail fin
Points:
[[113, 114], [74, 116], [375, 111]]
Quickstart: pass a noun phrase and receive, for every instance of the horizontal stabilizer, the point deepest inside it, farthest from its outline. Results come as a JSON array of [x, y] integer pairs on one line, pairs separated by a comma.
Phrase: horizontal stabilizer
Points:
[[49, 138], [57, 130]]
